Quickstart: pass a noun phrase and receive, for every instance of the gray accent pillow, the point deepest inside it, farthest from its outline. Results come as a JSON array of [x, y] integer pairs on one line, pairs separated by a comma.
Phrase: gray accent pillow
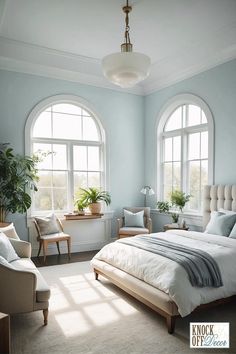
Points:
[[220, 223], [47, 225], [133, 219], [233, 232], [6, 249]]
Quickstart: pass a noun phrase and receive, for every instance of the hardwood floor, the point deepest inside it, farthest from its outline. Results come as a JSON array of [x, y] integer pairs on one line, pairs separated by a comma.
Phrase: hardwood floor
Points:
[[63, 258]]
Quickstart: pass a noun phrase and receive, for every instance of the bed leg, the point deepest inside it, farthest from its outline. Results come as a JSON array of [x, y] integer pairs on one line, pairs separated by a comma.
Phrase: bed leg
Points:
[[170, 321], [96, 275]]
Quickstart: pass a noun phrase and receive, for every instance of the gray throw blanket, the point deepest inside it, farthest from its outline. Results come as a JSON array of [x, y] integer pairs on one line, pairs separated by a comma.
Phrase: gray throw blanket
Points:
[[201, 268]]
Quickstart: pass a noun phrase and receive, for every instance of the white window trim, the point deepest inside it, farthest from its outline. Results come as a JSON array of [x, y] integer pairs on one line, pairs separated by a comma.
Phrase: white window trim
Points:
[[169, 107], [84, 104]]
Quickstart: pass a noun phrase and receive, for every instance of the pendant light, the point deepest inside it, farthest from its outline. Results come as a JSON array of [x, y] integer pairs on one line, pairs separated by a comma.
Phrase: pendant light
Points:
[[126, 68]]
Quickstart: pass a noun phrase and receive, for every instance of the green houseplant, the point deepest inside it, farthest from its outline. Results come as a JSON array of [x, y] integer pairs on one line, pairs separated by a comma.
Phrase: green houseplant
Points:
[[165, 207], [18, 175], [178, 199], [91, 198]]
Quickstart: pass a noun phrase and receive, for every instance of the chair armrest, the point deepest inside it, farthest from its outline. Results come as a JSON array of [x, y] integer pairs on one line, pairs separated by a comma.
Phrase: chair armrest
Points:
[[18, 290], [149, 224], [22, 248]]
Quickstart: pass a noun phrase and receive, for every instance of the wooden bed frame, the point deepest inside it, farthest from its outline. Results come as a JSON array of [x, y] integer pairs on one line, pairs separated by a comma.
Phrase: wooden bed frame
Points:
[[215, 197]]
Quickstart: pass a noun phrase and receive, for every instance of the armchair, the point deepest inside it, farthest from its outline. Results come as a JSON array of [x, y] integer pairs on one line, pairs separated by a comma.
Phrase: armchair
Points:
[[129, 231], [23, 289]]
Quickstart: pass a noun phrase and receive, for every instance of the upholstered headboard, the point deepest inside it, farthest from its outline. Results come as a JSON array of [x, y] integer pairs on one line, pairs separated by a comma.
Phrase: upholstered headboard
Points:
[[216, 197]]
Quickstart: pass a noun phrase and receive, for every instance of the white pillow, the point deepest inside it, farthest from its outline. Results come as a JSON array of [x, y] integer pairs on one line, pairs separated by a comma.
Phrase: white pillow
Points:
[[10, 231], [220, 223], [5, 263], [6, 249], [47, 225], [133, 219]]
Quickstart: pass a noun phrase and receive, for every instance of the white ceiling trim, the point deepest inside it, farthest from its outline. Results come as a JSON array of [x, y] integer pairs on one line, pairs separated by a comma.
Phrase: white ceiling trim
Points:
[[36, 60], [159, 83], [31, 59]]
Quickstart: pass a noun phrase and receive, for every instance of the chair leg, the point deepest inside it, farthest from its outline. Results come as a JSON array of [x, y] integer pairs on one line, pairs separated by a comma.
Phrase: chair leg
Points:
[[69, 247], [45, 246], [45, 317], [58, 248], [40, 246]]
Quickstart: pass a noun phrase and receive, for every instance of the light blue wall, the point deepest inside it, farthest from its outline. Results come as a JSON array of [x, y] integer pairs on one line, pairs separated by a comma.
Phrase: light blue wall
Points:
[[217, 87], [121, 115], [130, 122]]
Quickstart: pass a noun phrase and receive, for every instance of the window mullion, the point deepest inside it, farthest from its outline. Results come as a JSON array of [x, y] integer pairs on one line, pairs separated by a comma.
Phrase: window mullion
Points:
[[70, 175]]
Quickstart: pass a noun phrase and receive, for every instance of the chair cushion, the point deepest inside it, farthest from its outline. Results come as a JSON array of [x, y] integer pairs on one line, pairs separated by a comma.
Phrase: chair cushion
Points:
[[47, 225], [6, 249], [10, 231], [133, 219], [133, 230], [42, 288], [58, 235]]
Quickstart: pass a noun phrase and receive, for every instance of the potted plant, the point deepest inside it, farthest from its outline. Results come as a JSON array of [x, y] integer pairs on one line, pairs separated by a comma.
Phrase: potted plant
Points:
[[178, 199], [92, 197], [165, 207], [80, 206], [18, 175]]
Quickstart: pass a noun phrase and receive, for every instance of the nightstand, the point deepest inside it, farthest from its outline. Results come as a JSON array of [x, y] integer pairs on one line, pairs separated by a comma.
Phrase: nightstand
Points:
[[175, 227]]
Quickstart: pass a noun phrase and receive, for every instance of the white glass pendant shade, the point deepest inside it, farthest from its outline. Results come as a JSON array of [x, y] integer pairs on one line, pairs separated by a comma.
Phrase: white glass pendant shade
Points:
[[126, 69]]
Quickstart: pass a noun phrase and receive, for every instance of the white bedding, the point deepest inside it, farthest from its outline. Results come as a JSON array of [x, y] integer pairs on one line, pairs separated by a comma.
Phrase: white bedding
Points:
[[169, 276]]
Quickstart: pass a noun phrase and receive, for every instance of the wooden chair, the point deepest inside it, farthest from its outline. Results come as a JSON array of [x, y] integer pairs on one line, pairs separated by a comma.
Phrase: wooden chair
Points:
[[57, 237]]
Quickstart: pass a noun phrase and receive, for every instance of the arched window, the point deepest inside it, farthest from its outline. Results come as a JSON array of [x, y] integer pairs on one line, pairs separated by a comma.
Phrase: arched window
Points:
[[185, 148], [71, 138]]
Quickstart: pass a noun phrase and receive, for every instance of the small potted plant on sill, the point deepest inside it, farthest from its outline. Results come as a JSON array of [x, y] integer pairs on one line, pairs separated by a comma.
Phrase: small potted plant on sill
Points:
[[165, 207], [91, 198], [80, 206], [178, 199]]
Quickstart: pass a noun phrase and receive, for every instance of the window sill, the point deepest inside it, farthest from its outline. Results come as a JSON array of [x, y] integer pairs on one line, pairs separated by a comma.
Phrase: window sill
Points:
[[193, 219]]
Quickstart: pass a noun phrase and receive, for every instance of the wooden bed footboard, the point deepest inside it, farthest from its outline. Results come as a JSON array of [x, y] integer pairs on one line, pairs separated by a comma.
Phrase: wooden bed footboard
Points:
[[170, 319]]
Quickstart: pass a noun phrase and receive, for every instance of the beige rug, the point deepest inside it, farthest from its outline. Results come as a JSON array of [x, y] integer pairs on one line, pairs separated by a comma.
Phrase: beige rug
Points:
[[95, 317]]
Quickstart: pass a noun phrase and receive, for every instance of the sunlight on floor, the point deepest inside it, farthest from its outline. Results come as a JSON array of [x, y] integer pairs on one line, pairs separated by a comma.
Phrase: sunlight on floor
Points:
[[94, 305], [101, 314], [84, 296], [123, 307], [72, 323]]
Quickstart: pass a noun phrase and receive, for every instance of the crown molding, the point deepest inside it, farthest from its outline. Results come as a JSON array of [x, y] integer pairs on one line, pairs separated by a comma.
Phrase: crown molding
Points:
[[159, 83], [36, 60]]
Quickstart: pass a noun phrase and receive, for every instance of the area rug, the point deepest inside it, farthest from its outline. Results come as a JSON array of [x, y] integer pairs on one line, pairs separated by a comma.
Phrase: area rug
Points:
[[95, 317]]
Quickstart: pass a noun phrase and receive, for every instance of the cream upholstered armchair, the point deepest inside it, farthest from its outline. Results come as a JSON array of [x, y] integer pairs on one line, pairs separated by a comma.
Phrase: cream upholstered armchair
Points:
[[135, 221], [23, 288]]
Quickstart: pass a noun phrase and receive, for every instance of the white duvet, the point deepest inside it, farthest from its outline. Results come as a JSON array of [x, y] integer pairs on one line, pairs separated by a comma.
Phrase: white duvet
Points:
[[171, 277]]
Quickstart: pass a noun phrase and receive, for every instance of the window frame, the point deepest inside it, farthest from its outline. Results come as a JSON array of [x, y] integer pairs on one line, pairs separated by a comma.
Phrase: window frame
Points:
[[70, 143], [164, 115]]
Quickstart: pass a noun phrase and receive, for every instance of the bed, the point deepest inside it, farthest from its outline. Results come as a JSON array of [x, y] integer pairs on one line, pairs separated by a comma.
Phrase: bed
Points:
[[161, 283]]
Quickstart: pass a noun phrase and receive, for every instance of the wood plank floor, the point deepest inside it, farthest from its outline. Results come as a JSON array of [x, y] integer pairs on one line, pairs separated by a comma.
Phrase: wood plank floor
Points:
[[63, 258]]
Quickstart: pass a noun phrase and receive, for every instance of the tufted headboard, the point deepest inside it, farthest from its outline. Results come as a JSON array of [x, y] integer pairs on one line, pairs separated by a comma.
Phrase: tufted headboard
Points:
[[216, 197]]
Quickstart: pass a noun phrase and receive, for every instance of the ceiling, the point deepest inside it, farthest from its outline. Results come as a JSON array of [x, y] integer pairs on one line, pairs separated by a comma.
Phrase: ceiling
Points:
[[67, 39]]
